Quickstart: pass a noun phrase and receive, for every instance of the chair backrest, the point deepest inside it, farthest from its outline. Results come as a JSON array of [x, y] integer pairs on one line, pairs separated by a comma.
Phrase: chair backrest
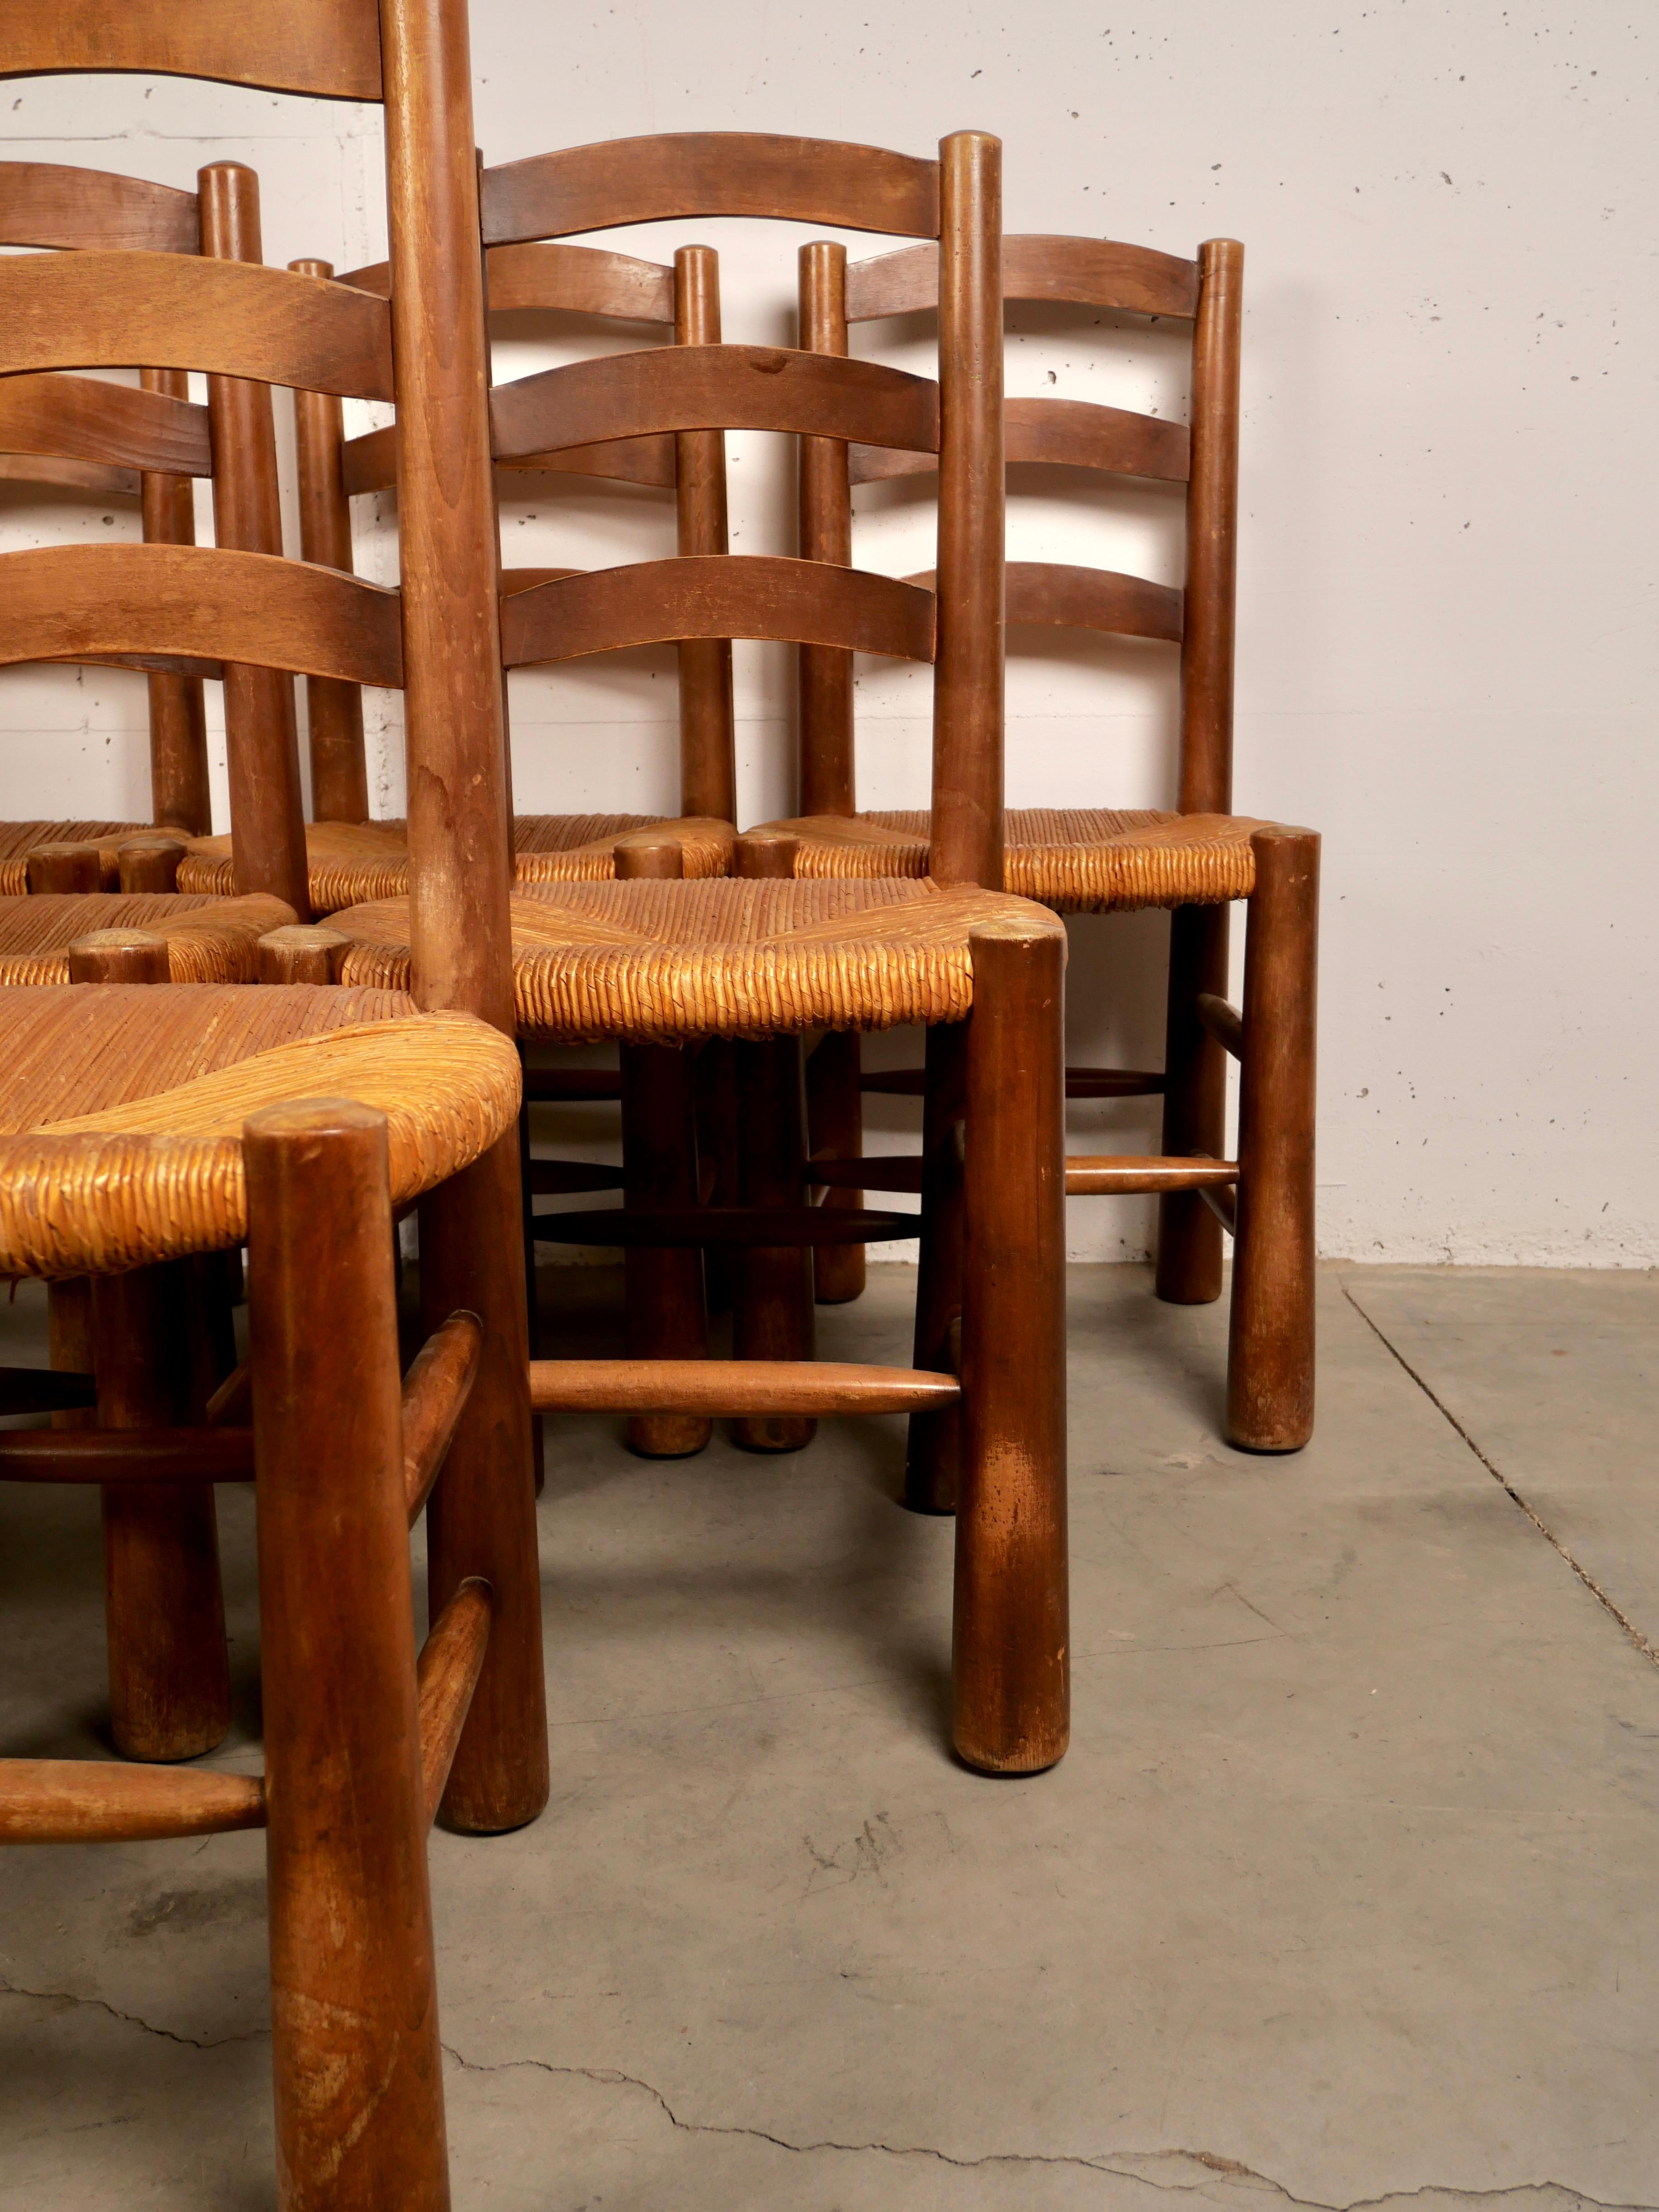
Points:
[[411, 56], [1202, 454], [586, 280], [956, 203], [47, 423]]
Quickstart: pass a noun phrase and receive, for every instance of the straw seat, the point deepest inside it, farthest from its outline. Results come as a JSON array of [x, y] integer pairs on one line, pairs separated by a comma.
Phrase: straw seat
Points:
[[208, 940], [1075, 860], [668, 963], [120, 1135], [19, 839], [355, 863]]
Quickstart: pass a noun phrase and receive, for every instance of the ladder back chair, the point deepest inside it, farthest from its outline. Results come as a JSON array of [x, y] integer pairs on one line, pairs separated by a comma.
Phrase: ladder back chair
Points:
[[73, 433], [134, 1150], [1194, 860], [353, 859], [660, 965]]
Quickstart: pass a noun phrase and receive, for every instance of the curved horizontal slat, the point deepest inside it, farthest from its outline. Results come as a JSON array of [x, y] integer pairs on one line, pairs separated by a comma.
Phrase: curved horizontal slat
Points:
[[1072, 432], [1082, 272], [711, 172], [717, 596], [328, 48], [620, 460], [709, 387], [64, 602], [1048, 591], [76, 419], [370, 463], [580, 280], [526, 580], [69, 476], [174, 310], [53, 204]]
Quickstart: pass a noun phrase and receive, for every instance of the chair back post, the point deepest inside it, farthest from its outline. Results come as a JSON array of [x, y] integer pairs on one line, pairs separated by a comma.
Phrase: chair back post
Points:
[[827, 757], [179, 797], [267, 811], [969, 663], [1206, 647], [460, 856], [339, 770], [708, 755]]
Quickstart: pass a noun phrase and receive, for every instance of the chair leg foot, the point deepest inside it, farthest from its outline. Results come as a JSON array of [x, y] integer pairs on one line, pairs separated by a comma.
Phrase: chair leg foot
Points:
[[1010, 1689], [1270, 1363]]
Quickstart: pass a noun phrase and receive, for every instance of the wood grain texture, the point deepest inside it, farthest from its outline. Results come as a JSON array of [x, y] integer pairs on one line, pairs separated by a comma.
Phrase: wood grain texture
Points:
[[580, 280], [69, 476], [158, 1455], [435, 1391], [825, 511], [358, 2072], [81, 419], [714, 387], [84, 1800], [969, 720], [334, 716], [1206, 658], [1086, 272], [733, 1387], [173, 311], [55, 204], [745, 595], [371, 461], [711, 172], [1270, 1344], [1225, 1023], [65, 602], [1049, 592], [1061, 433], [1116, 1176], [181, 798], [709, 762], [328, 48], [446, 1675]]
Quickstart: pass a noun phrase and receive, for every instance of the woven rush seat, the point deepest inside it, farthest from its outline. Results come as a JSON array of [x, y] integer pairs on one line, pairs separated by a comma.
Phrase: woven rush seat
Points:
[[665, 962], [208, 940], [355, 863], [1076, 859], [19, 839], [121, 1133]]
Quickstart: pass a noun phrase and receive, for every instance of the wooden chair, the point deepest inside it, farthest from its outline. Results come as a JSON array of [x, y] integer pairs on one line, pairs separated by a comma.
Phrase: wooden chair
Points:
[[1093, 860], [139, 1140], [73, 429], [353, 860], [660, 964], [438, 637]]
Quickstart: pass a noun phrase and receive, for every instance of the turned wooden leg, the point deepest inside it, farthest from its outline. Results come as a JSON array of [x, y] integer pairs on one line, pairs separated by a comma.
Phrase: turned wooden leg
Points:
[[481, 1519], [1270, 1351], [667, 1318], [1194, 1105], [359, 2082], [164, 1613], [934, 1443], [772, 1309], [835, 1126], [1011, 1674], [169, 1674]]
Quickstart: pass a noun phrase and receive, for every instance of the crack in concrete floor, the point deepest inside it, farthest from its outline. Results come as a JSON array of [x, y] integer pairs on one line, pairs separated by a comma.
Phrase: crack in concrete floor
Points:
[[1648, 1649], [1119, 2165]]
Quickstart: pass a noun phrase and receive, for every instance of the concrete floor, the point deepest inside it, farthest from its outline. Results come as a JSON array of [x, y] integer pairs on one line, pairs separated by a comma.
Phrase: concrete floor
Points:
[[1345, 1895]]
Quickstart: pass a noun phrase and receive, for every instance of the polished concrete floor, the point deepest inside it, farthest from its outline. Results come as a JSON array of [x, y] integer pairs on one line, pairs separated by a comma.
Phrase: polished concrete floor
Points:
[[1348, 1894]]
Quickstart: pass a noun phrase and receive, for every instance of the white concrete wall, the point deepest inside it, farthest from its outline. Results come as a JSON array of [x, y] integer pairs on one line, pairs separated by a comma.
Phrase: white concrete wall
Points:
[[1447, 637]]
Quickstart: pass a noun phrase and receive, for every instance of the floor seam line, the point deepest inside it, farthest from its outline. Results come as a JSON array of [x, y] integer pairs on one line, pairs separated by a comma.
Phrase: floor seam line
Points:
[[1649, 1651]]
